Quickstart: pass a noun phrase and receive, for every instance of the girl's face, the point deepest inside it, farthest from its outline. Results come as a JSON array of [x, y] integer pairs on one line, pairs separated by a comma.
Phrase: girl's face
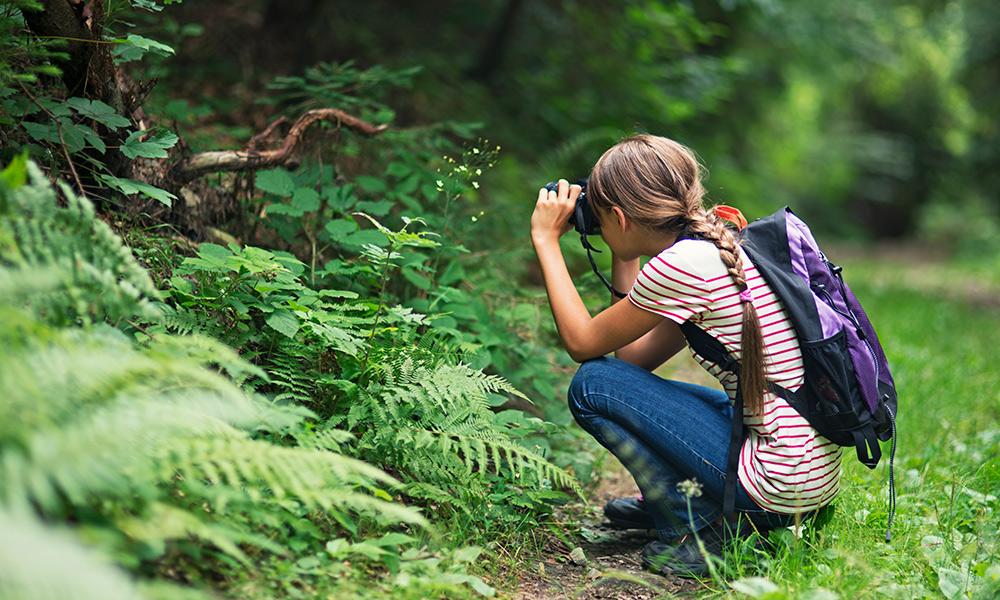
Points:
[[612, 231]]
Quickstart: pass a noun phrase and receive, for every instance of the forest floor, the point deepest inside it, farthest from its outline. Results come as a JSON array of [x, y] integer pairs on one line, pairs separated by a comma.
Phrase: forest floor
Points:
[[611, 568]]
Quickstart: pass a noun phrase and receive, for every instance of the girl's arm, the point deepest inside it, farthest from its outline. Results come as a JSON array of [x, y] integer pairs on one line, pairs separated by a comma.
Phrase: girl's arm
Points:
[[583, 336], [658, 345]]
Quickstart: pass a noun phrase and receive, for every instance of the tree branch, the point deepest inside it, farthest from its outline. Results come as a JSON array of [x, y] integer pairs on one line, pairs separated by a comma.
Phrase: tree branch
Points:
[[236, 160]]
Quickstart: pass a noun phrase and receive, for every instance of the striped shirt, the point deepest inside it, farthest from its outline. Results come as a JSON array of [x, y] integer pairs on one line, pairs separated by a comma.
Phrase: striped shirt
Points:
[[785, 465]]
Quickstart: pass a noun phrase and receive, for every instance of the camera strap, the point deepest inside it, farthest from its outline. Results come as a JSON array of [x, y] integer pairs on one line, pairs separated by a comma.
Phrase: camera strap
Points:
[[593, 265]]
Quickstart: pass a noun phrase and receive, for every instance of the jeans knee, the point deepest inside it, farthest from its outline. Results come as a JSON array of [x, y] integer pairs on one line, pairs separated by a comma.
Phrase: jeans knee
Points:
[[578, 388]]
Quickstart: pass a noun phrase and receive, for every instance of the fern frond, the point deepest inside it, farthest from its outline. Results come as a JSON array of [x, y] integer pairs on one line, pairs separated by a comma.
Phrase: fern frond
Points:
[[162, 523], [103, 278], [42, 563]]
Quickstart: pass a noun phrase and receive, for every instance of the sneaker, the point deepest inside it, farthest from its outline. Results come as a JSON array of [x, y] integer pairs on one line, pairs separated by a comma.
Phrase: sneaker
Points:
[[683, 559], [628, 513]]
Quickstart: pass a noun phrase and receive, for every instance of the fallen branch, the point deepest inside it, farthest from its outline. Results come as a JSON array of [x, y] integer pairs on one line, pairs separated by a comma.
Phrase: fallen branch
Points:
[[203, 163]]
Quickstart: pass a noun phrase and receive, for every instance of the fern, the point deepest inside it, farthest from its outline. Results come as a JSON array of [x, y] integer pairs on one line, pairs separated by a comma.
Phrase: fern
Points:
[[143, 442], [434, 422], [101, 278], [38, 562]]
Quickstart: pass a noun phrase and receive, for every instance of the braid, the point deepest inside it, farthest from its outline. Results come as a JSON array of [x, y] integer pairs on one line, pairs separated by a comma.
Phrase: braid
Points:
[[752, 376]]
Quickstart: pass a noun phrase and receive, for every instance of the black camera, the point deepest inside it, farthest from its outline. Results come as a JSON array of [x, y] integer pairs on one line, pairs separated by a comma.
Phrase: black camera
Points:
[[586, 223], [583, 219]]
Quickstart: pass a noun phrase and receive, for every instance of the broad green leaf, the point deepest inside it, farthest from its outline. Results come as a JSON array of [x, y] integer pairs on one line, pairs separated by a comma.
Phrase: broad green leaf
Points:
[[755, 587], [398, 169], [372, 185], [305, 199], [98, 111], [155, 146], [275, 181], [951, 582], [338, 294], [379, 208], [284, 322], [481, 587], [365, 236], [75, 136], [131, 186], [340, 198], [15, 174], [58, 108], [43, 132], [467, 554], [416, 279], [91, 136], [338, 228], [394, 538], [135, 47]]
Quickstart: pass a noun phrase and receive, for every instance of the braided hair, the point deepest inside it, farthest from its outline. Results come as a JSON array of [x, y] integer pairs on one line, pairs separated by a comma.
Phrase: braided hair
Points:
[[656, 182]]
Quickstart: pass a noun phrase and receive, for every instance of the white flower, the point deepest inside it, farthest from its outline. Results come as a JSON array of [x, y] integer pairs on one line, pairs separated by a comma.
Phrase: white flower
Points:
[[690, 488]]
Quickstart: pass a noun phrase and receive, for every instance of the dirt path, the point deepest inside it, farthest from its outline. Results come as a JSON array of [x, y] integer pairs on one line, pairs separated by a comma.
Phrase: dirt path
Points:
[[611, 568]]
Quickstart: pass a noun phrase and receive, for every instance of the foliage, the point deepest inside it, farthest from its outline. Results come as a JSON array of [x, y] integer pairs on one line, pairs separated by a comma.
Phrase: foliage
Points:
[[102, 281], [416, 412], [143, 445]]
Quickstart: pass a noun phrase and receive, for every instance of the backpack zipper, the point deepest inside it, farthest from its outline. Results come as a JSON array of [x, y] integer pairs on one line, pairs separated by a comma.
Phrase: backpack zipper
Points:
[[835, 271]]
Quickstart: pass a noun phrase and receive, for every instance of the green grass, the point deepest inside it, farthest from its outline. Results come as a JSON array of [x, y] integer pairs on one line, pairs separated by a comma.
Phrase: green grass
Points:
[[945, 535]]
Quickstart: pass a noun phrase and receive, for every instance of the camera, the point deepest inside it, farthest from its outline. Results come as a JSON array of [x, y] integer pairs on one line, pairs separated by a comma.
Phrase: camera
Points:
[[586, 223], [583, 218]]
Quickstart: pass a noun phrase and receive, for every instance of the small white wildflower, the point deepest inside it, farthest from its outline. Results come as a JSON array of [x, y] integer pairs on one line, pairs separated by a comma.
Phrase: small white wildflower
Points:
[[475, 184], [475, 150], [479, 171], [439, 183], [690, 488]]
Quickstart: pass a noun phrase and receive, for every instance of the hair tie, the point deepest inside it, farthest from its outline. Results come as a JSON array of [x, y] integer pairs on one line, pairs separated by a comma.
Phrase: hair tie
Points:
[[746, 295]]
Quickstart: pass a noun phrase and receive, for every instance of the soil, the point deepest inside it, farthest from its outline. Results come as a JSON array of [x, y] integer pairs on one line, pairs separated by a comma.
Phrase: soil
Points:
[[612, 568]]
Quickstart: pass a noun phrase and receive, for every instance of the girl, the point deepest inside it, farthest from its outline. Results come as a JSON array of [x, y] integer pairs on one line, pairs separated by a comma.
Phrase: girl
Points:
[[647, 194]]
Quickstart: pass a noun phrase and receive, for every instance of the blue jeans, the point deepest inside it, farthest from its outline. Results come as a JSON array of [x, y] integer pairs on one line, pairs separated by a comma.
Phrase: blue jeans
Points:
[[664, 432]]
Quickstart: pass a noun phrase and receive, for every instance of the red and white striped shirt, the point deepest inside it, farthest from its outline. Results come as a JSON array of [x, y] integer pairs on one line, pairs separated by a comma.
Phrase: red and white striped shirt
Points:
[[785, 465]]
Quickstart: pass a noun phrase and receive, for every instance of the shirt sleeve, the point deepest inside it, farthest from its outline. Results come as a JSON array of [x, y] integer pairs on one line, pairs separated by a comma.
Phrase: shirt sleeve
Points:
[[670, 287]]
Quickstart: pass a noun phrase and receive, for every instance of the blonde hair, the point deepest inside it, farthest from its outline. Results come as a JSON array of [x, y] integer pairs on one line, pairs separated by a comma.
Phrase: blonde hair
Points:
[[656, 182]]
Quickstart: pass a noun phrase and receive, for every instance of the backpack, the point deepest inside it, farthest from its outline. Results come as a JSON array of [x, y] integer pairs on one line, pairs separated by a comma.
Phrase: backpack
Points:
[[848, 396]]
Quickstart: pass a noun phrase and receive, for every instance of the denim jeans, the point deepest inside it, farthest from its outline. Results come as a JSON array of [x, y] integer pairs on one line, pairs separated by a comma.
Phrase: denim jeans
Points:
[[664, 432]]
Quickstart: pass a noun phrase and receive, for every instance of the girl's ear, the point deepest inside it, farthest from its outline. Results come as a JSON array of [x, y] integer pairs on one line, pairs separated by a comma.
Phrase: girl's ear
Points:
[[620, 217]]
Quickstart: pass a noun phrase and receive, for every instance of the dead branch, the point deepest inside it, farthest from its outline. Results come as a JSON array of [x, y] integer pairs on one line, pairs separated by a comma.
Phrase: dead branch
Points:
[[203, 163]]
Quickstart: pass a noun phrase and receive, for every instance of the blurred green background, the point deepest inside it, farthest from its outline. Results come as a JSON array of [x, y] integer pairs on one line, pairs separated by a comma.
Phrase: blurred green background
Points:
[[875, 120]]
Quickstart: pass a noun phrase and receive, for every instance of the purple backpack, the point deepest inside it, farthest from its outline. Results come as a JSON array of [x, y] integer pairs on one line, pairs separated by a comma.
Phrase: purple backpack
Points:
[[848, 396]]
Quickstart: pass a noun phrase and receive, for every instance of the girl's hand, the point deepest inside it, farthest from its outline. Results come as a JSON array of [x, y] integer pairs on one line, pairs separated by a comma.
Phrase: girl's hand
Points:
[[552, 211]]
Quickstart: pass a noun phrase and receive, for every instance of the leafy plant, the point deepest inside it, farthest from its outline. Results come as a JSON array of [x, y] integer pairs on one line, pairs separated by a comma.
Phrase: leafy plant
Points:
[[148, 443]]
